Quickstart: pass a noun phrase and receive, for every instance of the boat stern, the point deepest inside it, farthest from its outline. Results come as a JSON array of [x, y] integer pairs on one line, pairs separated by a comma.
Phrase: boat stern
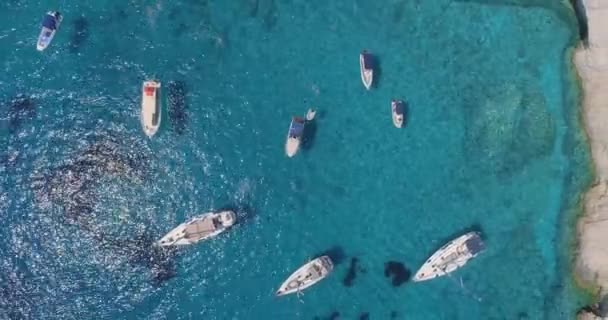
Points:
[[291, 146], [228, 218]]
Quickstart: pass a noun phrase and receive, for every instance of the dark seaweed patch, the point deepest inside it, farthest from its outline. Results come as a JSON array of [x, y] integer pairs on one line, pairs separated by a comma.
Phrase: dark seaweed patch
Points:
[[364, 316], [394, 314], [351, 274], [73, 187], [271, 16], [180, 29], [141, 250], [177, 105], [120, 13], [334, 315], [397, 271], [20, 108], [80, 33], [252, 7]]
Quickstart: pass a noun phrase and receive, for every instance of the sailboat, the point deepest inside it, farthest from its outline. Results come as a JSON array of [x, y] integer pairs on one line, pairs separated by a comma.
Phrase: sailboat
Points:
[[306, 276], [452, 256], [202, 227]]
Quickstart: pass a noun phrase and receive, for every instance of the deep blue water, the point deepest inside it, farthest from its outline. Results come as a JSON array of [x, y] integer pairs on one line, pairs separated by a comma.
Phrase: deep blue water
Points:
[[492, 143]]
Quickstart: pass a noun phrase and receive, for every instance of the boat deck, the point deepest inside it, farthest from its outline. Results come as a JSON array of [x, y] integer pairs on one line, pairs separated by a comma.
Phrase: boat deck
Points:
[[200, 228]]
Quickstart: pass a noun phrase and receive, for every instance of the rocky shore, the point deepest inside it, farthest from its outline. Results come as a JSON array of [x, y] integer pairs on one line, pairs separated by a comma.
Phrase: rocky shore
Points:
[[591, 61]]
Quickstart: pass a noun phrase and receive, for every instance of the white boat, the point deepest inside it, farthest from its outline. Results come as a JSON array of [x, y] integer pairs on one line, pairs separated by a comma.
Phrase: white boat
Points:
[[306, 276], [294, 136], [50, 24], [199, 228], [310, 114], [451, 256], [398, 111], [367, 69], [150, 107]]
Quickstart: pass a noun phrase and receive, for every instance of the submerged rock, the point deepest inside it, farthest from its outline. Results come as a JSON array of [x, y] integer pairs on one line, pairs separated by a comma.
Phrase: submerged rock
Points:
[[334, 315], [176, 97], [397, 271], [351, 274]]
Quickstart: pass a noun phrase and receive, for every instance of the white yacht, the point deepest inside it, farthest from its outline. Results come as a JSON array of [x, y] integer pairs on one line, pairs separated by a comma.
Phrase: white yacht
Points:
[[367, 69], [50, 24], [294, 136], [397, 109], [150, 107], [199, 228], [306, 276], [451, 256]]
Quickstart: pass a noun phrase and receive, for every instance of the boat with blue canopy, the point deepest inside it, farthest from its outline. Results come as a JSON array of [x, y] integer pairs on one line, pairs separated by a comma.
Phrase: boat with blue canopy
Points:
[[294, 136], [50, 24]]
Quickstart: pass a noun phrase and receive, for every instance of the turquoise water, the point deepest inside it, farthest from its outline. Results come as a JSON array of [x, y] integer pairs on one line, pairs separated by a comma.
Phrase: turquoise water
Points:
[[492, 143]]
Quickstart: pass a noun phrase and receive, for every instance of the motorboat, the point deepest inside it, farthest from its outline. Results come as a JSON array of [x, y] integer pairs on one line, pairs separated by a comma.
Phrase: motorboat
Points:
[[150, 107], [398, 111], [50, 24], [451, 256], [202, 227], [366, 65], [306, 276], [294, 136]]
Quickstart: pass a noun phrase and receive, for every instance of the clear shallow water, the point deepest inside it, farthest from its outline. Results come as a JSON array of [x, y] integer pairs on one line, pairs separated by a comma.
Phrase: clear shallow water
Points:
[[492, 143]]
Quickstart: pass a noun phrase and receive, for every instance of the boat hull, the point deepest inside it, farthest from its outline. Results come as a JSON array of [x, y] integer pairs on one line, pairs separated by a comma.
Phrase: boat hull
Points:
[[297, 281], [294, 136], [151, 108], [45, 41], [292, 145], [367, 75]]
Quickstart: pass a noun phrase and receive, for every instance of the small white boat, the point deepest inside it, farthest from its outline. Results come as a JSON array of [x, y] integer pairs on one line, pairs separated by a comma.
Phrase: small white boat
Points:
[[150, 107], [367, 69], [199, 228], [451, 256], [398, 111], [310, 114], [294, 136], [50, 24], [306, 276]]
